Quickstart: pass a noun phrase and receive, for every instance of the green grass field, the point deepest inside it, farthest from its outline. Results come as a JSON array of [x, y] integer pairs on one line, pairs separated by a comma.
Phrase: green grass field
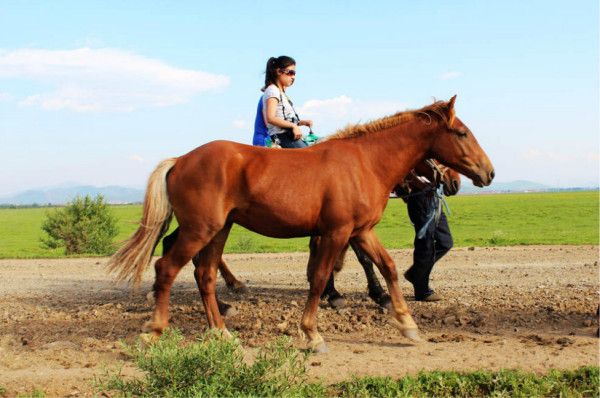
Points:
[[475, 220]]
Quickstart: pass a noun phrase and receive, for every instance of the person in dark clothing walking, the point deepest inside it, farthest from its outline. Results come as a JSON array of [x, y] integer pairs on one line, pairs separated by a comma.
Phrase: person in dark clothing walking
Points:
[[432, 233], [432, 245]]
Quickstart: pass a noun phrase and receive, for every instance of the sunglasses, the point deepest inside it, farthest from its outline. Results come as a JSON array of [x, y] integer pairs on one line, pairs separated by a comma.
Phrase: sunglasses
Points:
[[289, 72]]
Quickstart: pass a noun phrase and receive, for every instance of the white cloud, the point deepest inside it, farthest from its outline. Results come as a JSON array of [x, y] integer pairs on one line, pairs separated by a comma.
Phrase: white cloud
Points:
[[331, 114], [137, 158], [104, 80], [449, 75], [337, 107], [240, 124]]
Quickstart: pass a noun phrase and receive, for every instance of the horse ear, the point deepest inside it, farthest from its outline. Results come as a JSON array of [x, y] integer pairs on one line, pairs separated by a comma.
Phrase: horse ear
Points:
[[451, 113], [451, 102]]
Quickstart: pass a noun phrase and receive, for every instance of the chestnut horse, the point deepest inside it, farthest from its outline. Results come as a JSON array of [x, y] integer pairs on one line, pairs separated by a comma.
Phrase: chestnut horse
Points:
[[343, 185], [437, 174]]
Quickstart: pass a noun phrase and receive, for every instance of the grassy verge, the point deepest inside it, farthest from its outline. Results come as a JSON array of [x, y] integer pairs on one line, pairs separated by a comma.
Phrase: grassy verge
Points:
[[582, 382], [213, 366], [475, 220]]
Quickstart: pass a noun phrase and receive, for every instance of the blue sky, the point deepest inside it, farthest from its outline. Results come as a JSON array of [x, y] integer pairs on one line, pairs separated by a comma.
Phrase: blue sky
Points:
[[99, 92]]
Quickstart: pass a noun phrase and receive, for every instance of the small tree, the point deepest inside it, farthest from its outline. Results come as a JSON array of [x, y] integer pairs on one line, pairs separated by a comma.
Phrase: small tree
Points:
[[84, 225]]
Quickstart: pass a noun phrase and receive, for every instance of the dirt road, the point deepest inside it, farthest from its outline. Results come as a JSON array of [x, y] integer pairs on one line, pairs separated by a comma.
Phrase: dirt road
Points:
[[529, 307]]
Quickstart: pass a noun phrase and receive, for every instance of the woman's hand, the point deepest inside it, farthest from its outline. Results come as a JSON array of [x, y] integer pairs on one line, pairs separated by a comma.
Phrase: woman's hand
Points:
[[297, 132], [307, 123]]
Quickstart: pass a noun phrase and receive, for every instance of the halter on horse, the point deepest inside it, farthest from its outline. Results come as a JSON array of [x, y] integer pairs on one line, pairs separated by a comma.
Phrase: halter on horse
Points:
[[343, 188]]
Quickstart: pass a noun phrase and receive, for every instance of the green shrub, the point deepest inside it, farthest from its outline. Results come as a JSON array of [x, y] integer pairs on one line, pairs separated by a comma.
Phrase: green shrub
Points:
[[84, 225], [213, 366]]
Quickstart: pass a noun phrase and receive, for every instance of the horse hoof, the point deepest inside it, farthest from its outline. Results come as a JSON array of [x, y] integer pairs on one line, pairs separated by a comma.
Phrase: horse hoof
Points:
[[337, 302], [150, 298], [320, 348], [231, 311], [412, 334], [226, 309], [226, 334], [238, 287], [385, 302], [149, 327], [148, 338]]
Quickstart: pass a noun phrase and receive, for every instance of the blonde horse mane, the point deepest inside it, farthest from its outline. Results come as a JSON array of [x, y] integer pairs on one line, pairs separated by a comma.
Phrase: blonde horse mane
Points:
[[356, 130]]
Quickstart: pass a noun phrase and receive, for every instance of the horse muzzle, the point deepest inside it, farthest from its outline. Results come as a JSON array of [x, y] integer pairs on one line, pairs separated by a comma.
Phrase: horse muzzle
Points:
[[484, 179], [452, 188]]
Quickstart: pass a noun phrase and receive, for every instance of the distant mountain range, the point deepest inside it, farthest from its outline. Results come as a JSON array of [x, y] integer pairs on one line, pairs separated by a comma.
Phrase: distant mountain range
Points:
[[513, 186], [120, 195], [63, 194]]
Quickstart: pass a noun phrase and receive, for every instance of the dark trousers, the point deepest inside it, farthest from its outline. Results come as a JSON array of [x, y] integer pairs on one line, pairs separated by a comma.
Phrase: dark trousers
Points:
[[287, 142], [435, 243]]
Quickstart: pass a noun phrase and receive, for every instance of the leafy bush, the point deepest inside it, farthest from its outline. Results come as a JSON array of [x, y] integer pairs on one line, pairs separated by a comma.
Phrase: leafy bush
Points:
[[213, 366], [84, 225]]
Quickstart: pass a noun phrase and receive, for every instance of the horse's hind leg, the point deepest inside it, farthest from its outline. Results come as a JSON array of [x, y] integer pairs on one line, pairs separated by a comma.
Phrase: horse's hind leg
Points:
[[225, 309], [167, 267], [233, 284], [370, 244], [334, 298], [376, 292], [169, 241], [231, 281], [206, 277], [319, 268]]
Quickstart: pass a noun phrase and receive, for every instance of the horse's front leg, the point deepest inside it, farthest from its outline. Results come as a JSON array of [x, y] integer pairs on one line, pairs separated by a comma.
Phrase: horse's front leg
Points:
[[320, 266], [370, 244]]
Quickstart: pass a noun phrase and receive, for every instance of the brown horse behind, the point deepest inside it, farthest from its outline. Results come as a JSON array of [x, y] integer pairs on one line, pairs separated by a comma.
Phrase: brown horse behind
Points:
[[337, 190]]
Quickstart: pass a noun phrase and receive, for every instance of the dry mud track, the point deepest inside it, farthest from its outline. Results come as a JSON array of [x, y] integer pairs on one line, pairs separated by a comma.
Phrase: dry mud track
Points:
[[530, 307]]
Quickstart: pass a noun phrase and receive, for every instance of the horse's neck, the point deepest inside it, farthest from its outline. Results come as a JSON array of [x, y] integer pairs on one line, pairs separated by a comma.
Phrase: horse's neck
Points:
[[397, 150]]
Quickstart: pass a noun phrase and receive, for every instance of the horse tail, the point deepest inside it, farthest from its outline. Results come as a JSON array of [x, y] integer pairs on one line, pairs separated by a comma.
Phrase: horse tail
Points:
[[130, 261]]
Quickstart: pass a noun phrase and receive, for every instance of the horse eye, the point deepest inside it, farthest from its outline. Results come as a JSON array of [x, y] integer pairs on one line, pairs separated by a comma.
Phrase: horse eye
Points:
[[461, 133]]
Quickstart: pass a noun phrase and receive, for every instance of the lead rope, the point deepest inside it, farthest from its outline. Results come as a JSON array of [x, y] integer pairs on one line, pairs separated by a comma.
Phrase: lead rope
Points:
[[437, 199], [435, 210]]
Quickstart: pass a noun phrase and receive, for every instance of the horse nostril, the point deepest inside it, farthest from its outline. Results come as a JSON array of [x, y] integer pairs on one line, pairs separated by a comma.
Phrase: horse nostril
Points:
[[492, 174]]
